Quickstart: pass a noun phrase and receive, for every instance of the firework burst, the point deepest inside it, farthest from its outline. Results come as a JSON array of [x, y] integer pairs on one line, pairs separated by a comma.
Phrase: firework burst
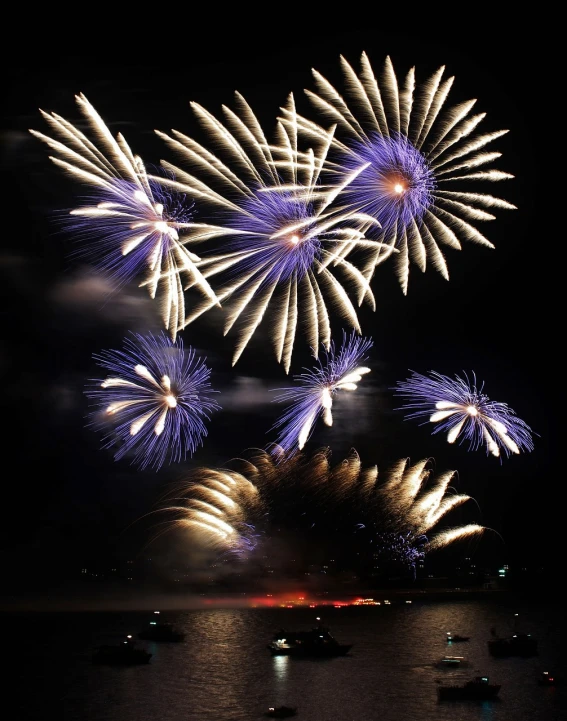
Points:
[[461, 409], [132, 228], [216, 507], [312, 397], [406, 508], [417, 155], [413, 504], [157, 400], [286, 237]]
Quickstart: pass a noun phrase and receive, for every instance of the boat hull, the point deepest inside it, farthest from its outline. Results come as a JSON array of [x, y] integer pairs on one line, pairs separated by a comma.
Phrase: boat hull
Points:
[[456, 693], [313, 652], [503, 648]]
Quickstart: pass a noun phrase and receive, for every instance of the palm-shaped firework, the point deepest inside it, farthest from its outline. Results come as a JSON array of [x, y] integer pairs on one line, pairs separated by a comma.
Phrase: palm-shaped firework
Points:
[[461, 409], [216, 506], [418, 157], [286, 237], [132, 228], [156, 401], [312, 397], [401, 518]]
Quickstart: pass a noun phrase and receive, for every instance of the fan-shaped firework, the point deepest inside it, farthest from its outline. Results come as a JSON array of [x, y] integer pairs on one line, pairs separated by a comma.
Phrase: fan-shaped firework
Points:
[[306, 493], [157, 399], [286, 237], [131, 230], [312, 397], [418, 155], [217, 506], [463, 410], [412, 507]]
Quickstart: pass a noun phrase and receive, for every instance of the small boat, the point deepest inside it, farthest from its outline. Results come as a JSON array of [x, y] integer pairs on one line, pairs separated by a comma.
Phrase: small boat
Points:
[[478, 688], [160, 631], [451, 662], [548, 679], [123, 654], [318, 642], [519, 644], [456, 638], [281, 711]]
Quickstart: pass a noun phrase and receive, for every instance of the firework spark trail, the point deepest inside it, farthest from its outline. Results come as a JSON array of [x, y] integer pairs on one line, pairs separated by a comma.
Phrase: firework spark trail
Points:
[[286, 237], [312, 397], [418, 154], [460, 408], [407, 504], [156, 400], [221, 521], [132, 229]]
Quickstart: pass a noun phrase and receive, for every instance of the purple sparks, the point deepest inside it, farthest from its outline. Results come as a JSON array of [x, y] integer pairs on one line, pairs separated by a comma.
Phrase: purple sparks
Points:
[[312, 397], [156, 399], [458, 407], [396, 188]]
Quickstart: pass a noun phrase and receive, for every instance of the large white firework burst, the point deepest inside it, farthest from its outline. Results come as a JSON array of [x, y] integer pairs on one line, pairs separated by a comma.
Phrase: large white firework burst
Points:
[[287, 235], [132, 229], [420, 157]]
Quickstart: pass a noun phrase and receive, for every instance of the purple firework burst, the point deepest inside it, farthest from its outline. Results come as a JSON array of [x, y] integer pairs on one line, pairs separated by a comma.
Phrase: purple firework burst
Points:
[[461, 409], [404, 548], [156, 400], [261, 244], [127, 233], [312, 397], [397, 185], [423, 153]]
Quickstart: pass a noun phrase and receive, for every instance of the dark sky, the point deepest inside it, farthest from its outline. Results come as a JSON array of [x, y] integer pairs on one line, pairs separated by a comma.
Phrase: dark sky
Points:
[[66, 500]]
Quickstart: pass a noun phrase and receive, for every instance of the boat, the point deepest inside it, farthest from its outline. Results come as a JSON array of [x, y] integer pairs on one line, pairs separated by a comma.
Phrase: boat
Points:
[[478, 688], [123, 654], [451, 662], [160, 631], [318, 642], [281, 711], [456, 638], [549, 679], [519, 644]]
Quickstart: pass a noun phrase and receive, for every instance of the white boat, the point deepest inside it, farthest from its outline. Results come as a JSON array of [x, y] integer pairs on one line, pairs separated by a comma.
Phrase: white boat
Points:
[[452, 662]]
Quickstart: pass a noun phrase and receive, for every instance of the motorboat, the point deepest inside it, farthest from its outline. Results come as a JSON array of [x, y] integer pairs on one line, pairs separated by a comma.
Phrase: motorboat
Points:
[[160, 631], [317, 642], [456, 638], [546, 678], [478, 688], [122, 654], [281, 711], [451, 662], [519, 644]]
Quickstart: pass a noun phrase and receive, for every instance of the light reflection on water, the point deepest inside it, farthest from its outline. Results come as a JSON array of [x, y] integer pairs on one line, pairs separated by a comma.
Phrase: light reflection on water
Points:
[[223, 671]]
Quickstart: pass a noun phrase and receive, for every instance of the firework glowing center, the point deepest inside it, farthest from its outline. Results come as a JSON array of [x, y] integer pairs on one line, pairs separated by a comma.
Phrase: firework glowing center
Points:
[[168, 399], [476, 418]]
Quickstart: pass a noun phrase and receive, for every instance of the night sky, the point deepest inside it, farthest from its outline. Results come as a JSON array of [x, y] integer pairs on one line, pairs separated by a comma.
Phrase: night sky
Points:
[[66, 502]]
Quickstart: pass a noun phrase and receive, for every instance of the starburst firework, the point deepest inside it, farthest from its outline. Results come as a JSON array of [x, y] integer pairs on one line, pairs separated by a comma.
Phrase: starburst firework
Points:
[[132, 229], [287, 234], [418, 155], [461, 409], [157, 400], [312, 397]]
